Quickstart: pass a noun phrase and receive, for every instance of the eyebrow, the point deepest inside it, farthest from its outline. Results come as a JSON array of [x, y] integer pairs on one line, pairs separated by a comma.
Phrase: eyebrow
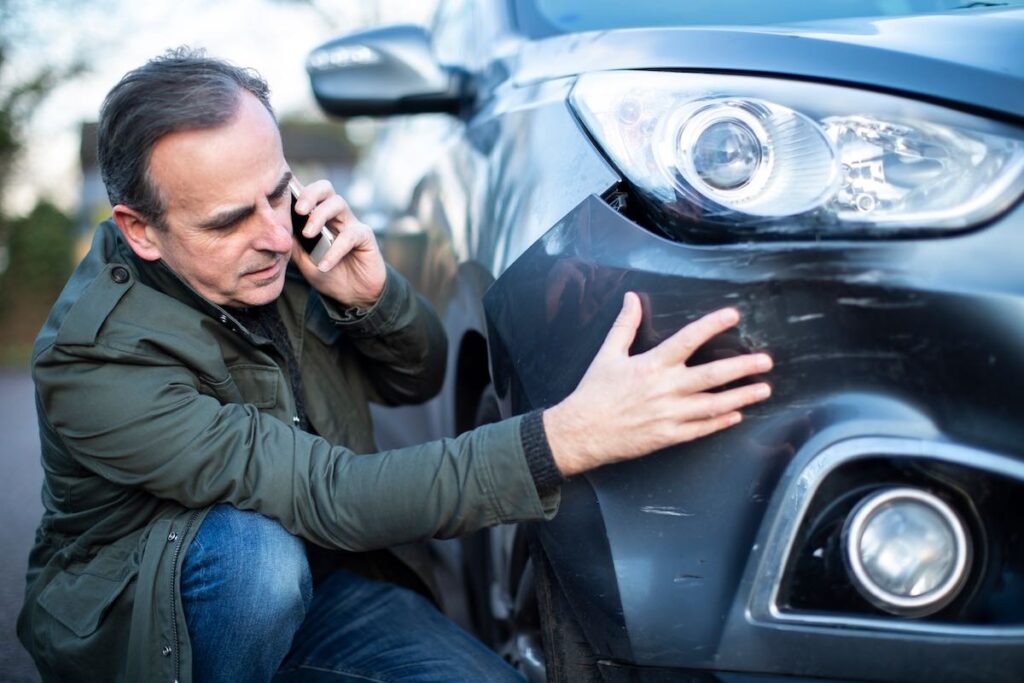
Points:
[[230, 216]]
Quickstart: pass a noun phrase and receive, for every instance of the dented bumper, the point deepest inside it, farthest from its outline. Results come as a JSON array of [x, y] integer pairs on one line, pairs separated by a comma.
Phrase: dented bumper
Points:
[[915, 343]]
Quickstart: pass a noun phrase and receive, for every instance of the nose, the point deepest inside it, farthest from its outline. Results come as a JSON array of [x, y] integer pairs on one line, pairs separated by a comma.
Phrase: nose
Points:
[[274, 231]]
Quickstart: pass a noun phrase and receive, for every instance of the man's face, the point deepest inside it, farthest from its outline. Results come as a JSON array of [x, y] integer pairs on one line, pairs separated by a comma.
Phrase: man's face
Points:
[[228, 225]]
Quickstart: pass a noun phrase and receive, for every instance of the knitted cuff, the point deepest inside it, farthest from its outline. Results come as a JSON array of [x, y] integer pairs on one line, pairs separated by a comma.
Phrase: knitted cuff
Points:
[[539, 458]]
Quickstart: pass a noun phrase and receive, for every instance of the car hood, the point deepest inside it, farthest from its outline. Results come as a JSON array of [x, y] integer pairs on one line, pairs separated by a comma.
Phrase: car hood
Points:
[[973, 58]]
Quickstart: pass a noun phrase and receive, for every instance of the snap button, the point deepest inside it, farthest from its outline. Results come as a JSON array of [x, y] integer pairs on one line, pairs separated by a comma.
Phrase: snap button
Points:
[[223, 318], [166, 652], [119, 274], [172, 537], [295, 419]]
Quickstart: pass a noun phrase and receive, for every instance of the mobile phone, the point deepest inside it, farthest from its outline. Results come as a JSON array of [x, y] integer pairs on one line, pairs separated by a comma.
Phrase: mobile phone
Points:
[[315, 247]]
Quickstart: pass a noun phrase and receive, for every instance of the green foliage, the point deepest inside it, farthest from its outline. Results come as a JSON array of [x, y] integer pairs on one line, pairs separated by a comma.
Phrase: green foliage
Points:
[[38, 247], [17, 103], [16, 107], [39, 252]]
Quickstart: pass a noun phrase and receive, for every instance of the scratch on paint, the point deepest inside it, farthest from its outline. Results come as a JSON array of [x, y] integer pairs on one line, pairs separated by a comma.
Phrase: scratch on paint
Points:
[[868, 276], [680, 578], [875, 303], [665, 510], [866, 355], [804, 318]]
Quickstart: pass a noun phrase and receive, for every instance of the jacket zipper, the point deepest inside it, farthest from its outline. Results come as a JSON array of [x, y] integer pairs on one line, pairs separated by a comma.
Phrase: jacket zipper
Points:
[[174, 602]]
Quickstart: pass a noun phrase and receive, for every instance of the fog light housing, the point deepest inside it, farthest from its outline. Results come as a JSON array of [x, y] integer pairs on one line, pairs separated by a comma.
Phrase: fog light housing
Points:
[[906, 551]]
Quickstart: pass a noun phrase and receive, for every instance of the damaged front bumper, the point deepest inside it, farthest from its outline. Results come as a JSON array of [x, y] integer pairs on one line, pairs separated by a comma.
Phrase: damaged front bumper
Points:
[[702, 557]]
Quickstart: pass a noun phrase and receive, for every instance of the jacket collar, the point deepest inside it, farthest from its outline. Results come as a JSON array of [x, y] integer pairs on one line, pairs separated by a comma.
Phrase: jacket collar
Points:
[[159, 276]]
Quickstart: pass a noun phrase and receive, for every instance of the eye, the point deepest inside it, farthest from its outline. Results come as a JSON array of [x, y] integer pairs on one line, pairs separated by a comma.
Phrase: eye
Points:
[[225, 228], [279, 195]]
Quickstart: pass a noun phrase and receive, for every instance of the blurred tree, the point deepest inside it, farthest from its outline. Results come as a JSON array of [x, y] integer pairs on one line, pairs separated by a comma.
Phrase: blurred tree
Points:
[[21, 94], [35, 251], [40, 248]]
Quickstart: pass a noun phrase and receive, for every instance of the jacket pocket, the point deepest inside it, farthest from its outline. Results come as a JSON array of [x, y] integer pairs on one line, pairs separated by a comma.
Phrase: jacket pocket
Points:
[[257, 384], [80, 596]]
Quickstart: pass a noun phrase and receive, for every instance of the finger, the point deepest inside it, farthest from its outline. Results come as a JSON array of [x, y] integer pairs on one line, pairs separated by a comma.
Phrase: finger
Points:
[[304, 198], [681, 345], [333, 209], [701, 428], [623, 331], [720, 372], [343, 244], [354, 238], [313, 194], [312, 197], [703, 406]]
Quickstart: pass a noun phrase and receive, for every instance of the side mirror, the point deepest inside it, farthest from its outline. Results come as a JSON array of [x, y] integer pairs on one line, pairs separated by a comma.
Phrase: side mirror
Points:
[[381, 72]]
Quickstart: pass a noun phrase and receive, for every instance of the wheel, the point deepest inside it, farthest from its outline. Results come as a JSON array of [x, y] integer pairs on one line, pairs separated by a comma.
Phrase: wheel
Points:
[[501, 596], [568, 656], [477, 562], [514, 599]]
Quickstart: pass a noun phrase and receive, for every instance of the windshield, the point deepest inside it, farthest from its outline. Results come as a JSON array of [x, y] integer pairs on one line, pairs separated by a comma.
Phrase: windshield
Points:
[[542, 18]]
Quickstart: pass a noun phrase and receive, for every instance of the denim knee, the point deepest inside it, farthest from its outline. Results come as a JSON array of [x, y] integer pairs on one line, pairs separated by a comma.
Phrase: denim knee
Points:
[[245, 588]]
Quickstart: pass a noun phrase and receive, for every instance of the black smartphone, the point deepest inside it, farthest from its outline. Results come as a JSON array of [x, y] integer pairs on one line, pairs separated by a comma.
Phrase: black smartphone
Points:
[[316, 247]]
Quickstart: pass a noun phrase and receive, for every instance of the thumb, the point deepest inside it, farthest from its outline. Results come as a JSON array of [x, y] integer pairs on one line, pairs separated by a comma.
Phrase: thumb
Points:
[[623, 331]]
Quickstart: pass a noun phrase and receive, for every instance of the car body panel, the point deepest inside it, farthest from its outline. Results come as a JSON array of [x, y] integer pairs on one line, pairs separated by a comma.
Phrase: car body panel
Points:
[[860, 337], [971, 58]]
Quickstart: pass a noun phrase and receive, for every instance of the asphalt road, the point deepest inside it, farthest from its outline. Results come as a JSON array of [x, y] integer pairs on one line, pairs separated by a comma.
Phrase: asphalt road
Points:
[[21, 507]]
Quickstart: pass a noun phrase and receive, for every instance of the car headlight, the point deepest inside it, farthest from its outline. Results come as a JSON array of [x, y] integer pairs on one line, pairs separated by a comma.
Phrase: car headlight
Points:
[[907, 551], [774, 156]]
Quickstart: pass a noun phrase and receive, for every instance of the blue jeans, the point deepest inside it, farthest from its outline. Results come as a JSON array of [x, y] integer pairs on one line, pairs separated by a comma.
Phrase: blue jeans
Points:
[[252, 616]]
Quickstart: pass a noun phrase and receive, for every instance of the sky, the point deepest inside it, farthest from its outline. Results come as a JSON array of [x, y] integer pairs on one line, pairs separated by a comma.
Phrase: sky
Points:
[[114, 36]]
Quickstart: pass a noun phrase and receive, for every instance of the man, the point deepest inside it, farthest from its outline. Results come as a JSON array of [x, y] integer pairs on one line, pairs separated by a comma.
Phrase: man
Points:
[[202, 391]]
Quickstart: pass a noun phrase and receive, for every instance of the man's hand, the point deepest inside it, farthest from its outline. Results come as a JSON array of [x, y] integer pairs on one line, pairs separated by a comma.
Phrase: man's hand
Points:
[[627, 406], [352, 271]]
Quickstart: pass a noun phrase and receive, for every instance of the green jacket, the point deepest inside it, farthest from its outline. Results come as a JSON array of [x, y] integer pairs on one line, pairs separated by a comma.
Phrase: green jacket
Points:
[[154, 405]]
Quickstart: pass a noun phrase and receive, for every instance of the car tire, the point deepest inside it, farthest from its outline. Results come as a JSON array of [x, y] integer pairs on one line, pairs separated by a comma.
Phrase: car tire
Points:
[[567, 654], [476, 550], [537, 633], [501, 594]]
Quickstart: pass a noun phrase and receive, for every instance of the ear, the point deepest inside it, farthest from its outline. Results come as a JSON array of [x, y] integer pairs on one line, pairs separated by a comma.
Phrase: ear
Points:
[[141, 236]]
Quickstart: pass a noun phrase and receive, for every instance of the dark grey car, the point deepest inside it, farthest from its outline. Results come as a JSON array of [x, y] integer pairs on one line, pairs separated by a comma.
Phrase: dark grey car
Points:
[[849, 175]]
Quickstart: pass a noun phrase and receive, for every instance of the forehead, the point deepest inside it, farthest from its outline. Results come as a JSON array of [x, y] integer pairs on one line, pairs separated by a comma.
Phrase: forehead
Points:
[[198, 171]]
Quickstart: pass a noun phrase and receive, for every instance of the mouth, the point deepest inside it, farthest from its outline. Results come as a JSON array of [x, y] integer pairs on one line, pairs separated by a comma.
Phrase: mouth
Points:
[[269, 272]]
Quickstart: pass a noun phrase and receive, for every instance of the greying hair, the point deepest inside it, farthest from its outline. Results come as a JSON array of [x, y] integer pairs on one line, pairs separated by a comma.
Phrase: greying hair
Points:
[[181, 90]]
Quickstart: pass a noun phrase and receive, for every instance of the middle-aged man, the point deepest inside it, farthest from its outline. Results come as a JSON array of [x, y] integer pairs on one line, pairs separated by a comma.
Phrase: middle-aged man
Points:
[[214, 510]]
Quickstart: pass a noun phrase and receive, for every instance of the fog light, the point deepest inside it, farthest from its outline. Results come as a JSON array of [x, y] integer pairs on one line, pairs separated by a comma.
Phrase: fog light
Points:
[[907, 551]]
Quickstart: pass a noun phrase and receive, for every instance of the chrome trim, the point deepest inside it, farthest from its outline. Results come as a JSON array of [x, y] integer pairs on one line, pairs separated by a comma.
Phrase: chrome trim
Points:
[[914, 605], [790, 508]]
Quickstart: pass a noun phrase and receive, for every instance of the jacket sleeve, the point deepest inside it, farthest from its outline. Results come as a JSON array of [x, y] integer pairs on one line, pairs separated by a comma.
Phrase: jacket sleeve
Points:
[[401, 341], [141, 421]]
